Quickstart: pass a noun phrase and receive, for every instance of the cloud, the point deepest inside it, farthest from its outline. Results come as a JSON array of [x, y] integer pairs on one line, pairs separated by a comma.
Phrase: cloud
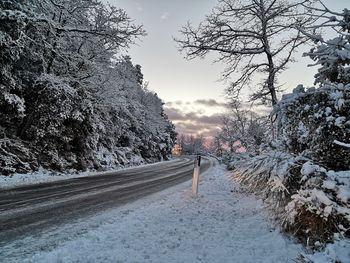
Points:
[[173, 103], [215, 119], [194, 123], [175, 114], [211, 103], [165, 15], [202, 102], [201, 117]]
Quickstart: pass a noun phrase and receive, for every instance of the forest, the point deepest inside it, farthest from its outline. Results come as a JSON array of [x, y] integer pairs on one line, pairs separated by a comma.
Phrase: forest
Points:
[[70, 98]]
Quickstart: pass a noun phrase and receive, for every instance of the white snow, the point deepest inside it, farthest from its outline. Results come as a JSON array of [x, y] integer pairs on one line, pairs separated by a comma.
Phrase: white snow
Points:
[[222, 224], [339, 121], [320, 196], [343, 194], [337, 252], [16, 102], [347, 145], [309, 168], [330, 185]]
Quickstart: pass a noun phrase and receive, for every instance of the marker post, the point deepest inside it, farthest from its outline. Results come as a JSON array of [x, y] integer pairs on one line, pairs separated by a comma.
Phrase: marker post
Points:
[[195, 179]]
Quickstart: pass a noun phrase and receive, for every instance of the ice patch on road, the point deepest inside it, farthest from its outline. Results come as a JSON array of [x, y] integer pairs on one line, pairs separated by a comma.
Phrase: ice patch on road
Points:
[[222, 224]]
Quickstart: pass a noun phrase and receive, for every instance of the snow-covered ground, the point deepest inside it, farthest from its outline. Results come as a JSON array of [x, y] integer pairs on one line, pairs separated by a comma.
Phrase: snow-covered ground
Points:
[[221, 224]]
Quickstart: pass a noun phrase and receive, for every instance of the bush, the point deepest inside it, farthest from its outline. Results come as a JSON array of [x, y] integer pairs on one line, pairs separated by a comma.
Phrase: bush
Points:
[[306, 179], [313, 122]]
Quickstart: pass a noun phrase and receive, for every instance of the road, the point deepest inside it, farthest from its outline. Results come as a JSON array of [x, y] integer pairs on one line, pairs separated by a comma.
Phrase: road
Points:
[[31, 209]]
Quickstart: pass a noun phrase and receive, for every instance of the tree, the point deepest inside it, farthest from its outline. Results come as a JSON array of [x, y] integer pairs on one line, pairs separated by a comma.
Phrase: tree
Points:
[[192, 144], [243, 128], [217, 146], [333, 55], [254, 38], [68, 99]]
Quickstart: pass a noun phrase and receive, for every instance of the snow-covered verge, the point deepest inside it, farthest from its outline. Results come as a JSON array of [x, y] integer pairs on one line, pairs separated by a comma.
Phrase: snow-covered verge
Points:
[[222, 224], [307, 200], [335, 252], [305, 173]]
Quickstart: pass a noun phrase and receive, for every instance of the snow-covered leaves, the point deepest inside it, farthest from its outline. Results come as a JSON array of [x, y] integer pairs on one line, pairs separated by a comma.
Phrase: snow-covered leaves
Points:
[[308, 200], [321, 206], [307, 179], [310, 121], [67, 92], [333, 55]]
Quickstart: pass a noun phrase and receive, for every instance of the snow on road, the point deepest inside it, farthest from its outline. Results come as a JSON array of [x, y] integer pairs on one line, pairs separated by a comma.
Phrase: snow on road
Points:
[[222, 224]]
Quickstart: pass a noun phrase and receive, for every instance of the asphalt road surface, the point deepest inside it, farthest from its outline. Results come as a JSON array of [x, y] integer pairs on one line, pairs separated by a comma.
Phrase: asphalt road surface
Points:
[[30, 209]]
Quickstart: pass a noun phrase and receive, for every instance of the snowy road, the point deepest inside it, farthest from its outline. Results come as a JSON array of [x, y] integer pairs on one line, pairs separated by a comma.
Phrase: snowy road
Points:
[[222, 224], [30, 209]]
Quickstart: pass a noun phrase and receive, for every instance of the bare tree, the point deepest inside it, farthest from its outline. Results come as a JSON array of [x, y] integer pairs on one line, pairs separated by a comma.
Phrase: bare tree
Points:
[[242, 127], [217, 146], [253, 38], [192, 144]]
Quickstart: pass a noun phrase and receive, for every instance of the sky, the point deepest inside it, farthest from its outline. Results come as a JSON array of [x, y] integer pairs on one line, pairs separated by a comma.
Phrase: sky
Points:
[[193, 94]]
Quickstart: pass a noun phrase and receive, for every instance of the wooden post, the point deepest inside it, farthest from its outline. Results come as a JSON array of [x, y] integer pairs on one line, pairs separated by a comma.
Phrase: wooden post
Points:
[[195, 179]]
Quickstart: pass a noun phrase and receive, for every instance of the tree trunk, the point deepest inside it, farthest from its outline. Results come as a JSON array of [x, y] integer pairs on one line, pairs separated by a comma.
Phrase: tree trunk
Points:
[[271, 79]]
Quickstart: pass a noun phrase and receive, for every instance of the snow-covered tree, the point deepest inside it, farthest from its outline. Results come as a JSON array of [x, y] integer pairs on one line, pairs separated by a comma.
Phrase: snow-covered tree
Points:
[[68, 98], [192, 144], [332, 55], [243, 128], [217, 146], [254, 38], [303, 175]]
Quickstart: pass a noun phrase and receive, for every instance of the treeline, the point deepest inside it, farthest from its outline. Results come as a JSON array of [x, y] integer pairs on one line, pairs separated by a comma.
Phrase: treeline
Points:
[[68, 98]]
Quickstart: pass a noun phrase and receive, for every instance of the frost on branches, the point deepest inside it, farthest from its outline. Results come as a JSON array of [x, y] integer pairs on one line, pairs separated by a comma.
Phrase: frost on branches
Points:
[[68, 99], [305, 173], [311, 123], [333, 55], [305, 178]]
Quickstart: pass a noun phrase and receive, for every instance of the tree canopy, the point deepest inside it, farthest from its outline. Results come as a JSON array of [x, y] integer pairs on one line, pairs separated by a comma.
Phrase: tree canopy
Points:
[[254, 38]]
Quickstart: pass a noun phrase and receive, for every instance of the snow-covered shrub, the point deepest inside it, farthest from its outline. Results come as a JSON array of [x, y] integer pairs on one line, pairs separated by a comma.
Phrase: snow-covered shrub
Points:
[[316, 124], [231, 159], [308, 201], [12, 108], [58, 123], [306, 178], [16, 156], [320, 207], [272, 174], [305, 173]]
